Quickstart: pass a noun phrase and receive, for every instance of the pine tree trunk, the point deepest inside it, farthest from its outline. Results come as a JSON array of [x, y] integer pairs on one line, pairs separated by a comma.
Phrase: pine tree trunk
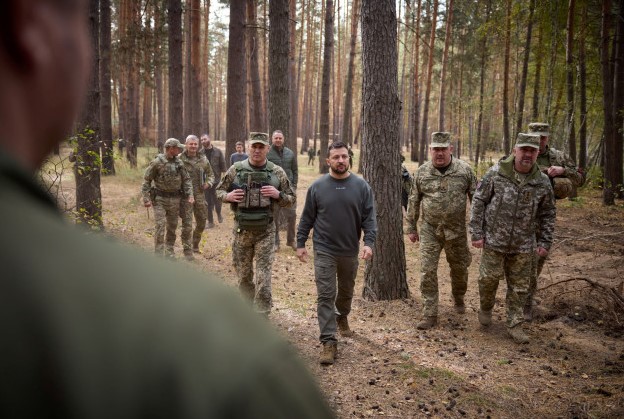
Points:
[[614, 167], [291, 140], [384, 275], [414, 155], [347, 127], [279, 86], [174, 20], [482, 86], [235, 129], [447, 42], [537, 54], [87, 164], [424, 137], [608, 192], [106, 125], [525, 70], [327, 54], [506, 133], [196, 86], [570, 82]]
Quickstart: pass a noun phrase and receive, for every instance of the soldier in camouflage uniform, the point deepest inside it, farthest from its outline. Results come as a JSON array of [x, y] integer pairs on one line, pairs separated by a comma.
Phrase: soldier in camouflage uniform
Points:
[[440, 187], [198, 168], [171, 182], [513, 201], [564, 177], [254, 187]]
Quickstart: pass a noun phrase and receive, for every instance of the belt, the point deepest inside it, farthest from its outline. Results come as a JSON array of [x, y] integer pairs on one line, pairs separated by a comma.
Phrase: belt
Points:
[[165, 194]]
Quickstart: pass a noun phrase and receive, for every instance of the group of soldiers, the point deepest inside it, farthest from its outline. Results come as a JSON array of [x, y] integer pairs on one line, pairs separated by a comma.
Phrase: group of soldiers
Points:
[[512, 220]]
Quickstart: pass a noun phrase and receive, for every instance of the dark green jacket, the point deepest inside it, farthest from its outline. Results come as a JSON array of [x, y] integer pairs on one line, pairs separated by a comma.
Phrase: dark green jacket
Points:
[[287, 160], [93, 329]]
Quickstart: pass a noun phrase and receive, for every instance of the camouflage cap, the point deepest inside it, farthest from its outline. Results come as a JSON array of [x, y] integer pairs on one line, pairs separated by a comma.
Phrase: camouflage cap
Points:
[[440, 139], [258, 137], [528, 140], [539, 128], [172, 142]]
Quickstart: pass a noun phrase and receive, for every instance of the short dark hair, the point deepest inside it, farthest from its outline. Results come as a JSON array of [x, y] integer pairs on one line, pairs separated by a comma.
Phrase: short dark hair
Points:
[[334, 145]]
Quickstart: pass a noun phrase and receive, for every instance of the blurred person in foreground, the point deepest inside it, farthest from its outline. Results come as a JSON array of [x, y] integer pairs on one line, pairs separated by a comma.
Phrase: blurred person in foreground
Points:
[[93, 329]]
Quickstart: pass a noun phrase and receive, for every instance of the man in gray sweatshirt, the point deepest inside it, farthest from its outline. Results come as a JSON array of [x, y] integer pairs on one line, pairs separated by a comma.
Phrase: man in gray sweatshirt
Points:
[[338, 206]]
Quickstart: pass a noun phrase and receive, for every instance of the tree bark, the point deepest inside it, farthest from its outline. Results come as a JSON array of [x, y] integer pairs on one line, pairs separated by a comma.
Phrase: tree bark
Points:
[[174, 19], [525, 70], [279, 86], [106, 125], [414, 155], [537, 54], [384, 275], [570, 81], [506, 133], [424, 137], [235, 129], [482, 85], [291, 140], [196, 87], [87, 162], [582, 160], [347, 123], [613, 169], [447, 42], [327, 54], [608, 192]]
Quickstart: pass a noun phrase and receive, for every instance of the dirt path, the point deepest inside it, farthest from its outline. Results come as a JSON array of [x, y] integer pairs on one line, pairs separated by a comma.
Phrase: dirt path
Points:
[[573, 367]]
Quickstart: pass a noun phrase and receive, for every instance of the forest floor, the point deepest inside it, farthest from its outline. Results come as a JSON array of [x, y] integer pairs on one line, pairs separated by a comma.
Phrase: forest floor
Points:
[[572, 368]]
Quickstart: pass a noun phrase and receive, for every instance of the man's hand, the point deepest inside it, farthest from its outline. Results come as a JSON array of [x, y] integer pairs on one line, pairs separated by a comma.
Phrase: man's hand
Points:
[[191, 199], [147, 203], [542, 252], [237, 195], [366, 253], [554, 171], [270, 191], [413, 237], [302, 254], [207, 186], [478, 243]]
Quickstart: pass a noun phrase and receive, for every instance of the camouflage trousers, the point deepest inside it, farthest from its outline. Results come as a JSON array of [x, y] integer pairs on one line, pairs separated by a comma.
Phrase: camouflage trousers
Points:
[[166, 212], [458, 257], [200, 210], [246, 246], [518, 269], [335, 280], [290, 215], [539, 261]]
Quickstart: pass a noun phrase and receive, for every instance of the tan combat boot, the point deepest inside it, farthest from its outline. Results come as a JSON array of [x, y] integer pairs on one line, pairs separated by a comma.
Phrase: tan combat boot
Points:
[[517, 334], [343, 326], [427, 323], [485, 317], [328, 353]]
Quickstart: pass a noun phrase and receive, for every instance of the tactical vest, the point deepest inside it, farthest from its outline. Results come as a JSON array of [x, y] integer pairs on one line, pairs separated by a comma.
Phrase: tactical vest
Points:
[[168, 176], [255, 212]]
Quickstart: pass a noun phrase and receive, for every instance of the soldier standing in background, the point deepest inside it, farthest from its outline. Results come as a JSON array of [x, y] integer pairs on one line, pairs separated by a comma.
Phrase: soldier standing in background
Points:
[[512, 199], [171, 183], [287, 160], [254, 187], [311, 155], [217, 162], [202, 178], [441, 187], [564, 177]]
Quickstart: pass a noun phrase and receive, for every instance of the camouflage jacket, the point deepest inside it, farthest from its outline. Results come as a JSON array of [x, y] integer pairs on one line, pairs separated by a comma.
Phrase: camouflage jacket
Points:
[[507, 212], [442, 197], [287, 160], [199, 170], [167, 175], [552, 157], [279, 180]]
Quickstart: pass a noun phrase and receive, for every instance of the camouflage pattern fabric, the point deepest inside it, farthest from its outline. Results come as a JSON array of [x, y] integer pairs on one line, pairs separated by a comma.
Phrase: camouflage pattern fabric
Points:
[[201, 174], [168, 175], [432, 241], [552, 157], [517, 269], [507, 210], [245, 246], [442, 197], [166, 213]]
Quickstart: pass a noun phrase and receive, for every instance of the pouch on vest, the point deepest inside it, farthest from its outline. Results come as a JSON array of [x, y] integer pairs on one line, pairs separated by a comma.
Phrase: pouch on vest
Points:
[[253, 194], [253, 220]]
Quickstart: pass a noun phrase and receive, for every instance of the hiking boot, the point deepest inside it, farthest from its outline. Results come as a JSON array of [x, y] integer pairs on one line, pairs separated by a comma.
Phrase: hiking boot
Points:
[[517, 334], [189, 256], [427, 323], [485, 317], [219, 218], [209, 225], [343, 326], [460, 307], [328, 353], [527, 312]]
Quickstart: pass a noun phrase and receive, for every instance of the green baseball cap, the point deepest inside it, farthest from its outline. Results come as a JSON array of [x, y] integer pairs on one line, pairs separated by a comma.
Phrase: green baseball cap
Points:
[[258, 137], [440, 139], [528, 140]]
